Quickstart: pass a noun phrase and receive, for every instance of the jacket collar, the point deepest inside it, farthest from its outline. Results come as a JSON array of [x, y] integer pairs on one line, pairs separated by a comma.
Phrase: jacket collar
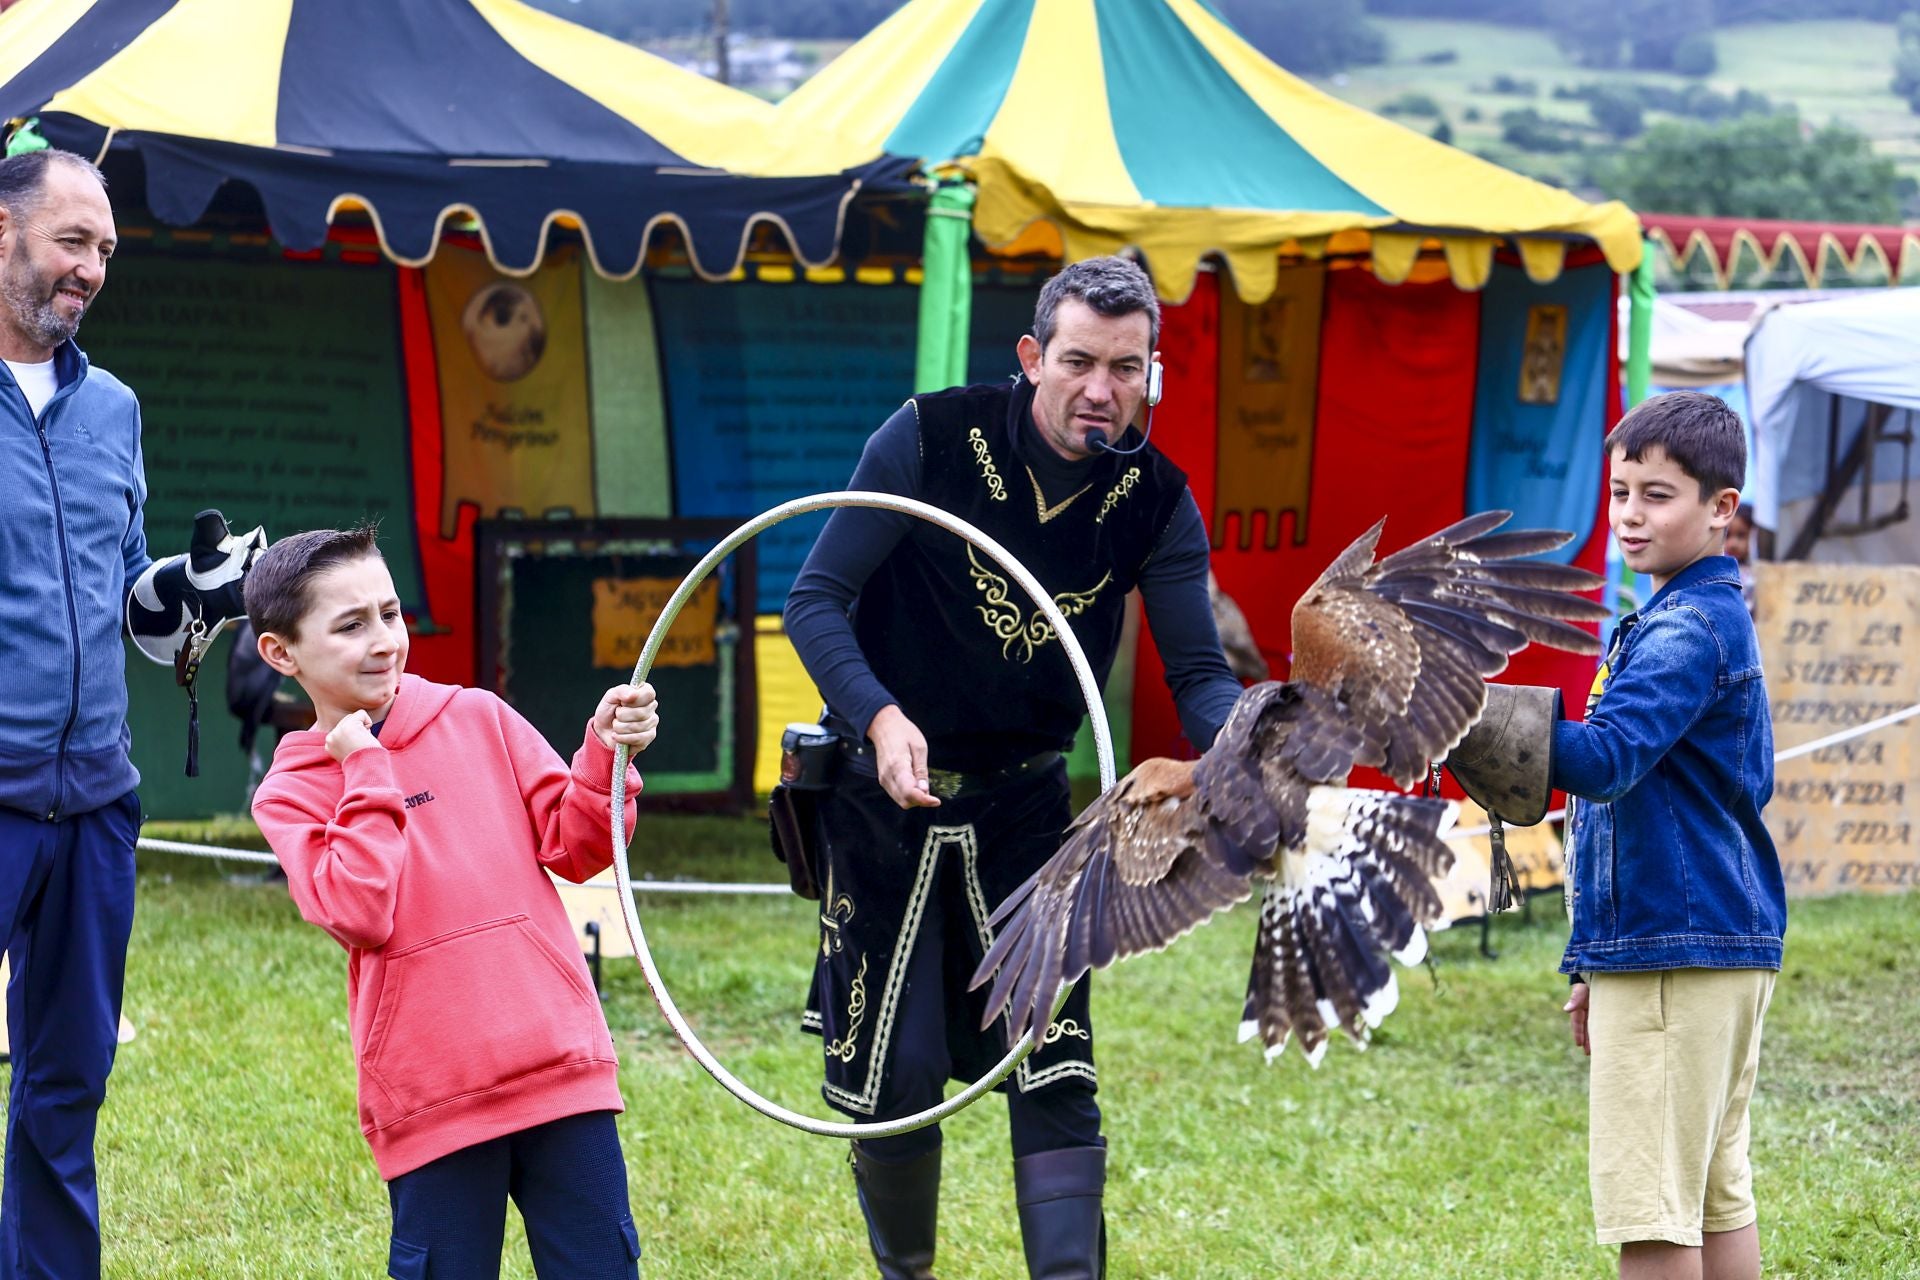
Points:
[[1706, 569]]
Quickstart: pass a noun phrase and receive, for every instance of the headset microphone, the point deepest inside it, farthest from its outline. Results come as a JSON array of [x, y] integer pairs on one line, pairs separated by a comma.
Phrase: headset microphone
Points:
[[1097, 439]]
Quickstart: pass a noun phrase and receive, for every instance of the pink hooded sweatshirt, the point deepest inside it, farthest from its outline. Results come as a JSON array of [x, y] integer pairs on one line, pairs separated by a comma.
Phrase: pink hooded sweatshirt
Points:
[[471, 1008]]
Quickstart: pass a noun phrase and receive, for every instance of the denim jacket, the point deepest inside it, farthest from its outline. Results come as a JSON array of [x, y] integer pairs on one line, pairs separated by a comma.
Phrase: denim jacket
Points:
[[1670, 864]]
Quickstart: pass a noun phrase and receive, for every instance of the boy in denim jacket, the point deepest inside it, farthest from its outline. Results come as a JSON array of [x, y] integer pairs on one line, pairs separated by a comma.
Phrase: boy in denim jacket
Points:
[[1677, 898]]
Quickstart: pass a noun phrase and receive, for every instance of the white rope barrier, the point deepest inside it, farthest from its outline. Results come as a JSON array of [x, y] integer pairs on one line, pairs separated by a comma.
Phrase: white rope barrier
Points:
[[150, 845], [773, 889]]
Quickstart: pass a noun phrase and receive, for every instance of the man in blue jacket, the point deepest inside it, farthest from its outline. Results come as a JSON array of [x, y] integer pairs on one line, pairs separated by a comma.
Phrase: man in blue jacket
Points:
[[72, 549]]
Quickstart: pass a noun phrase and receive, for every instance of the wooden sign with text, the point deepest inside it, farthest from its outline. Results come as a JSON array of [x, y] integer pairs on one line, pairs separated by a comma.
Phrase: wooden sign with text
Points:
[[626, 609], [1837, 641]]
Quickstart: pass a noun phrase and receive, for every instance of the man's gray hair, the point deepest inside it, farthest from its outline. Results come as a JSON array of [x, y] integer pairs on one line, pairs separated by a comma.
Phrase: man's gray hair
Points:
[[1109, 286], [23, 178]]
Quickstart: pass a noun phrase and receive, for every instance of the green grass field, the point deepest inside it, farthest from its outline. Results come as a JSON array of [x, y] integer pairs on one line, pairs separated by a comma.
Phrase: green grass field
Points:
[[1829, 70], [1455, 1147]]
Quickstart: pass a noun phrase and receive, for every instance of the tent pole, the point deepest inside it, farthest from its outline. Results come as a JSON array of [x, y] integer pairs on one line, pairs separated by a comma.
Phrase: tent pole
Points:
[[946, 289], [1640, 327]]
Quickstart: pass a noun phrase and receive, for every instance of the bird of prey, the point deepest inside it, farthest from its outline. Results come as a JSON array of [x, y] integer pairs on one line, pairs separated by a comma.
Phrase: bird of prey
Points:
[[1389, 669]]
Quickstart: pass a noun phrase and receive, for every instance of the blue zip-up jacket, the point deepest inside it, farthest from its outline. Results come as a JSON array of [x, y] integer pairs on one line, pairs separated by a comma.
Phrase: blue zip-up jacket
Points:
[[72, 486], [1672, 867]]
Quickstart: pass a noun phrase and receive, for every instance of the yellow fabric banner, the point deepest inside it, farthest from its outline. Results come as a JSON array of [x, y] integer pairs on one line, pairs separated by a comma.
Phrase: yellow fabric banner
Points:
[[512, 360], [1269, 380]]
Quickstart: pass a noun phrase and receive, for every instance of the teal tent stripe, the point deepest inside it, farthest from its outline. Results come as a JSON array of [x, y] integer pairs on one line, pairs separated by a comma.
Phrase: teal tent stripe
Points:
[[951, 116], [1190, 135]]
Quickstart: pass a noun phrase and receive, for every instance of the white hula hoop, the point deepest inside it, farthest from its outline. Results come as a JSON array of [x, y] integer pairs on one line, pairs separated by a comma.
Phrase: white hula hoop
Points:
[[1103, 743]]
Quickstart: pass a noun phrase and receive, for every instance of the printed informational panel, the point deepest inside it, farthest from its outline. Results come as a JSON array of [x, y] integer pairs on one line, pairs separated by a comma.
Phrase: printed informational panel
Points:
[[1839, 642], [269, 389], [773, 389], [275, 391]]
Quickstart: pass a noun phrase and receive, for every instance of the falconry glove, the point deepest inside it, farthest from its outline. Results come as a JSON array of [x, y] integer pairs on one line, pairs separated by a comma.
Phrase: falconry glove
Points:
[[1505, 763], [180, 604]]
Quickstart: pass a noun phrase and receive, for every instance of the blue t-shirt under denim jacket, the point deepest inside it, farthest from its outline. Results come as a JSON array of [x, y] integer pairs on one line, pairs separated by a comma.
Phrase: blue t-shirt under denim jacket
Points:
[[1669, 863]]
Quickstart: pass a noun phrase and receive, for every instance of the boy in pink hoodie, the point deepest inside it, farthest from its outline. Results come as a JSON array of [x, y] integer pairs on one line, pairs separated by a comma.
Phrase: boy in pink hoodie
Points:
[[416, 823]]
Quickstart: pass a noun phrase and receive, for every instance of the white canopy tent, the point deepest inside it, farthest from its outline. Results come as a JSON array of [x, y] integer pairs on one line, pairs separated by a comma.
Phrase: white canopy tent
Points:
[[1832, 388]]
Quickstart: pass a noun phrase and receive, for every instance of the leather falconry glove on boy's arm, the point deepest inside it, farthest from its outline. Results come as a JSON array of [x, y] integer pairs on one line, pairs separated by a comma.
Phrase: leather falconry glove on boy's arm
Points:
[[180, 604], [1506, 764]]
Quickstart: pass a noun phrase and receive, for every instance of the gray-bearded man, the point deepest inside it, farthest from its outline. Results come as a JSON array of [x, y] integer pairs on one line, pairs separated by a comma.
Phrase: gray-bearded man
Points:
[[73, 555], [955, 702]]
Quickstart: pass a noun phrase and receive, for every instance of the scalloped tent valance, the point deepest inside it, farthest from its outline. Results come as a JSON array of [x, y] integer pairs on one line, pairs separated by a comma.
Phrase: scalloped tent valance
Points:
[[1770, 244], [420, 111]]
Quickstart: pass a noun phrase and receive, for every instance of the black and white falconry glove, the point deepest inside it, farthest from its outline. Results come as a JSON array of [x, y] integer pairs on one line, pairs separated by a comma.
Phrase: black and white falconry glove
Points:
[[181, 603]]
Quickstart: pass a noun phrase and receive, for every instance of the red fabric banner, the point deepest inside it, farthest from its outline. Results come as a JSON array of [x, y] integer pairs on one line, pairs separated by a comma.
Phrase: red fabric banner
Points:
[[446, 565]]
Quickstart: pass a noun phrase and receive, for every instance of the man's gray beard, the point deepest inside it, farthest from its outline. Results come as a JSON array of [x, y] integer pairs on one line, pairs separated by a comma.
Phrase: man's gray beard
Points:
[[37, 320]]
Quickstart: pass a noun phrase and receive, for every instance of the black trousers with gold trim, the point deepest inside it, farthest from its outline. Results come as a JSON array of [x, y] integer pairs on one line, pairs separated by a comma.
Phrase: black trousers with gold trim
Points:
[[903, 924]]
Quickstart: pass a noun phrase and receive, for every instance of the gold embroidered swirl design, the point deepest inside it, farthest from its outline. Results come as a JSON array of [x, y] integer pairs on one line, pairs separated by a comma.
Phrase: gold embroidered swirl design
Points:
[[843, 1049], [839, 911], [1065, 1027], [1009, 622], [996, 488], [1119, 491]]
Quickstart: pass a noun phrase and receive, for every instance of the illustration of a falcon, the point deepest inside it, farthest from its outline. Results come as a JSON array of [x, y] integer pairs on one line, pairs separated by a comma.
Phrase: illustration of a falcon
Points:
[[1389, 669]]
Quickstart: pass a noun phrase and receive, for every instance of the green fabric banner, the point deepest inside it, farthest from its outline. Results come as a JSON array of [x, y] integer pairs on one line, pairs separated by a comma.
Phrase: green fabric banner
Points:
[[946, 290]]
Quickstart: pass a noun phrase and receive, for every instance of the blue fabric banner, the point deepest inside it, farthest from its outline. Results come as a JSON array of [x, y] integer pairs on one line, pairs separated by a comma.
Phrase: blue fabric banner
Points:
[[1539, 413], [773, 389]]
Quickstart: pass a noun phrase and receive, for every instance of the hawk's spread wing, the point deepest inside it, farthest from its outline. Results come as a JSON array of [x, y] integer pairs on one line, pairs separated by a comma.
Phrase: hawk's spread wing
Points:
[[1140, 867], [1406, 644], [1390, 660]]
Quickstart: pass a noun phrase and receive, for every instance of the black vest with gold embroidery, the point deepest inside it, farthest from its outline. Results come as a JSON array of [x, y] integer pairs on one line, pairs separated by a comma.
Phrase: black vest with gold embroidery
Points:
[[972, 662]]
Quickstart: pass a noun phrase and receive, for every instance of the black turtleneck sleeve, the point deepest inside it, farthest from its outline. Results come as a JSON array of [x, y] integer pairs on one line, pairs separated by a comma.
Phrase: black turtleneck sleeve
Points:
[[818, 614], [1173, 587]]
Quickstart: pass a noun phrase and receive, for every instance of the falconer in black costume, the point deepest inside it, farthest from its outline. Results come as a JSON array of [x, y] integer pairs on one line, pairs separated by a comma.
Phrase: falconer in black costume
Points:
[[954, 703]]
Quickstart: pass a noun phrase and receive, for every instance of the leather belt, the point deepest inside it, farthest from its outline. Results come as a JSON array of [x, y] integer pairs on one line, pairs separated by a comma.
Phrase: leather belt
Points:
[[948, 784]]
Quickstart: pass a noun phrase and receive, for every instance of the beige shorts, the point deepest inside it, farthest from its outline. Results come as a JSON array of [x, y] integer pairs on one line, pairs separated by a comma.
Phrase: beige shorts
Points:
[[1674, 1057]]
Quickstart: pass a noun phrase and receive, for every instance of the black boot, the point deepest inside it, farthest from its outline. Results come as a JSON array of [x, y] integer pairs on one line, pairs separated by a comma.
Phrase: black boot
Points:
[[1061, 1224], [901, 1203]]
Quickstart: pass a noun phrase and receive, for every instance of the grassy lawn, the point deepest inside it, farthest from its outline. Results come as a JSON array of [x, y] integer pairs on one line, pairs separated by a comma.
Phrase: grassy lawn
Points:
[[1829, 69], [1455, 1147]]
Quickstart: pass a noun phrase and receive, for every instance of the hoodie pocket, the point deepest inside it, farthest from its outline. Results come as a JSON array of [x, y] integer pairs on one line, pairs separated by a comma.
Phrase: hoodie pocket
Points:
[[469, 1011]]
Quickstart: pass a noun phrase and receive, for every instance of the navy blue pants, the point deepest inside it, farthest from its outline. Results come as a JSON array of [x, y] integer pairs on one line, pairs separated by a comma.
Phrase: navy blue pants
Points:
[[66, 904], [567, 1176]]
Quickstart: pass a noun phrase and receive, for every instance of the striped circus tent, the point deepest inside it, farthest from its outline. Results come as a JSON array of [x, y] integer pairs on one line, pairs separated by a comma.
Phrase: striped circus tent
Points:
[[417, 111], [1093, 125]]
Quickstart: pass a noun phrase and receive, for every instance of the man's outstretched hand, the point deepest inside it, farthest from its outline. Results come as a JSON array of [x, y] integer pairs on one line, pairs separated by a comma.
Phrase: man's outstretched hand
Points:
[[900, 756]]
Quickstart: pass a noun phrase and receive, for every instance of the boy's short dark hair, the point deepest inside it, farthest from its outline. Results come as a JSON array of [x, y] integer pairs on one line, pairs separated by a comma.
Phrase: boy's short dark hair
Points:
[[277, 584], [1698, 431]]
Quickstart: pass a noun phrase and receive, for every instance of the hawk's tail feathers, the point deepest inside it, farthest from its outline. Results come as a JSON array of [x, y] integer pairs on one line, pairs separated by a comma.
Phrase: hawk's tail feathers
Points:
[[1359, 889]]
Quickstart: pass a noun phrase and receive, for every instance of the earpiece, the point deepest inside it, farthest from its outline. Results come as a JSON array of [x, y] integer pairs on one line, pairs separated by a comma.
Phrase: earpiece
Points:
[[1153, 382]]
